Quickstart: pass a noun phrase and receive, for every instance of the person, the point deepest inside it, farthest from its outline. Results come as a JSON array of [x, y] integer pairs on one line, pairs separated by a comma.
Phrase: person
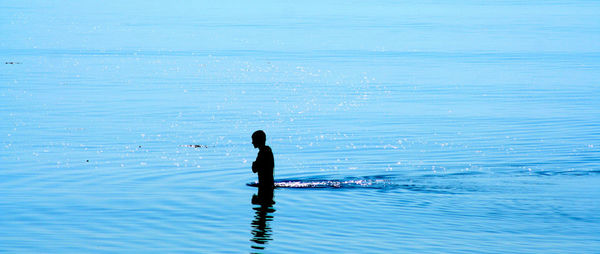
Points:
[[264, 163]]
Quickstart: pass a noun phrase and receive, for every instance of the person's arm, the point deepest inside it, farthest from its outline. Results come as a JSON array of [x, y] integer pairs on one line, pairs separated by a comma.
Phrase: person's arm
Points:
[[256, 164]]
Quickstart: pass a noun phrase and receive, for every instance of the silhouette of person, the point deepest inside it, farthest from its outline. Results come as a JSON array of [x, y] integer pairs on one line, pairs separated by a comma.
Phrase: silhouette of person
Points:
[[264, 163], [263, 166]]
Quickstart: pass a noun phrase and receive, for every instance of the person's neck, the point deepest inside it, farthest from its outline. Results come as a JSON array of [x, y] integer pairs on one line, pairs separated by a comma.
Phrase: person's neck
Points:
[[262, 147]]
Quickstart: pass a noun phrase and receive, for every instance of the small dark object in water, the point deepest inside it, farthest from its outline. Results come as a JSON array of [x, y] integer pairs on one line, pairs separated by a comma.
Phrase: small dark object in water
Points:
[[87, 160], [196, 146], [139, 146], [12, 63]]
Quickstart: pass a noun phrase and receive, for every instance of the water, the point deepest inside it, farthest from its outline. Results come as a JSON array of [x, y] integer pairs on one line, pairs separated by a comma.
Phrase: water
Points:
[[411, 126]]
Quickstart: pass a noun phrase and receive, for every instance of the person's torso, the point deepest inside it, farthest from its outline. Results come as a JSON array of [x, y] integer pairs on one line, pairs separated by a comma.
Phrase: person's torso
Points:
[[265, 171]]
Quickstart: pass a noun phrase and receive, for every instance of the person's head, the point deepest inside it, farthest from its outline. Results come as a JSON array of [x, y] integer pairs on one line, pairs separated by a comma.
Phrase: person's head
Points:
[[259, 138]]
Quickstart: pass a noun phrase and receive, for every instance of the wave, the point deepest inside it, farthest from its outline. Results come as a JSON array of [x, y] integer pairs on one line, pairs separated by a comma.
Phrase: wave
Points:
[[317, 184], [361, 183]]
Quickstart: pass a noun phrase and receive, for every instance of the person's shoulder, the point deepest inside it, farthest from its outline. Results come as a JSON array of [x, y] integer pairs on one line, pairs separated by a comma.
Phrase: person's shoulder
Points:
[[268, 149]]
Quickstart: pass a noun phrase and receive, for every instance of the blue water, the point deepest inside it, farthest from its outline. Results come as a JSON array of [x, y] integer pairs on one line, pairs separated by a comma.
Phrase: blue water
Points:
[[397, 127]]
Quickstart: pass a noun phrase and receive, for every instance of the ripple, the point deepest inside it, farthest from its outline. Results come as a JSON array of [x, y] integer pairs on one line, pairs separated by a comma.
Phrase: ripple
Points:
[[371, 182]]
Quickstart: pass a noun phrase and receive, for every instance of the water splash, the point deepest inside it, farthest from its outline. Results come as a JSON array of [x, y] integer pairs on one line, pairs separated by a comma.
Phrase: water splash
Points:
[[377, 183], [319, 184]]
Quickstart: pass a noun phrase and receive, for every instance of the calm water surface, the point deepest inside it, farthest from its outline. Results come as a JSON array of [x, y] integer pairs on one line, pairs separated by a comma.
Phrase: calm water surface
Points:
[[411, 126]]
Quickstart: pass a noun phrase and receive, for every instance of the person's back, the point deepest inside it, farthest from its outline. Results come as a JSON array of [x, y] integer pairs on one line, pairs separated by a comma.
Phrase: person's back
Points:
[[264, 166], [265, 162]]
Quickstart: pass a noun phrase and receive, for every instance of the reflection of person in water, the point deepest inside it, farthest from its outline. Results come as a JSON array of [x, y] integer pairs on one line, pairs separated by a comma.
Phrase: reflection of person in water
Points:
[[261, 230], [264, 163]]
